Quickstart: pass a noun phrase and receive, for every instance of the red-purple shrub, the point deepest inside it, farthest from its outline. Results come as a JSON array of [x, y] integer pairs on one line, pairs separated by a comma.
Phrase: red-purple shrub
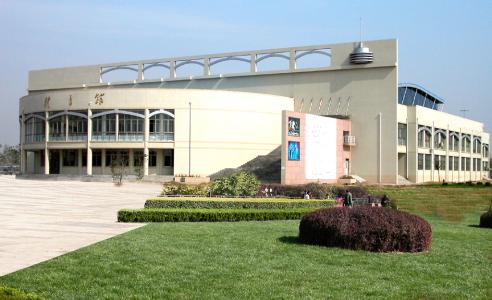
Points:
[[375, 229]]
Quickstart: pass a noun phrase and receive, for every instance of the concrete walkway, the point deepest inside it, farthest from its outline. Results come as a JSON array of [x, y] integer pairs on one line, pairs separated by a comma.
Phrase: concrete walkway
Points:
[[42, 219]]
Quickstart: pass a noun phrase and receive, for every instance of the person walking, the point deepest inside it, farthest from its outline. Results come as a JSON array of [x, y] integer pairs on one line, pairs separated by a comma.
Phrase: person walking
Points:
[[347, 199]]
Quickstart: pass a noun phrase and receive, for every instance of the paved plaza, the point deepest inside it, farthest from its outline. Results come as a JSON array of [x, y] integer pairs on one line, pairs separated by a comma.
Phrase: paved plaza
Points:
[[42, 219]]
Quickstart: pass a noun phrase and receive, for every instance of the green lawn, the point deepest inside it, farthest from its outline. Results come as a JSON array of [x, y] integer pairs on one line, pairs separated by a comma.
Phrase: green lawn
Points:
[[450, 203], [262, 260]]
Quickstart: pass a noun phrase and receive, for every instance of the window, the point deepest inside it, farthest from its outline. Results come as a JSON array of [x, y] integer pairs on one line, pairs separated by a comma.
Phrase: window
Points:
[[152, 158], [440, 140], [130, 127], [138, 158], [168, 157], [104, 128], [485, 152], [468, 164], [450, 163], [77, 128], [161, 127], [428, 161], [465, 143], [84, 158], [57, 128], [456, 163], [477, 145], [116, 158], [42, 158], [96, 158], [70, 158], [454, 141], [463, 164], [439, 162], [34, 130], [402, 134], [424, 137], [420, 162]]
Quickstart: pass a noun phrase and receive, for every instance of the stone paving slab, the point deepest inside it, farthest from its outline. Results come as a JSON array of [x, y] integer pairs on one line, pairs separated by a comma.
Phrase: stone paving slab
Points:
[[42, 219]]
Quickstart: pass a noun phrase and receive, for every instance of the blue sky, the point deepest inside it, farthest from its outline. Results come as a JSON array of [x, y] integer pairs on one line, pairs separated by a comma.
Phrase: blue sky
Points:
[[443, 45]]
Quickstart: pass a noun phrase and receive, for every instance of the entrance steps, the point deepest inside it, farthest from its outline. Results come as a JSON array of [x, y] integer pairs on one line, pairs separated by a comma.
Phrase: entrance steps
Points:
[[403, 181]]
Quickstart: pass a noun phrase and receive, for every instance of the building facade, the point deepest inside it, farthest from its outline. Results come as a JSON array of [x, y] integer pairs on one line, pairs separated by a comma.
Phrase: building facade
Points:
[[202, 114]]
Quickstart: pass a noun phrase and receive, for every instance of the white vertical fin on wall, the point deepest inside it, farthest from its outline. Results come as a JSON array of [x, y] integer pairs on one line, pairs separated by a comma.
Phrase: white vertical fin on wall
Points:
[[320, 105]]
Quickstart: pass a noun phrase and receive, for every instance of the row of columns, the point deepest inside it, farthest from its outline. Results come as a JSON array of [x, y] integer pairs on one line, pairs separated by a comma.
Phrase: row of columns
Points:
[[89, 148]]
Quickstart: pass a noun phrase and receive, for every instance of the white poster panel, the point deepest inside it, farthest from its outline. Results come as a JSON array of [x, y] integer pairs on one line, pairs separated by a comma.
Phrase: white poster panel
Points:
[[321, 147]]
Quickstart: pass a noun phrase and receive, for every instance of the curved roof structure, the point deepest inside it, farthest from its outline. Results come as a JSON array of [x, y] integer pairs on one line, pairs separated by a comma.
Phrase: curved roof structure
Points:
[[412, 94]]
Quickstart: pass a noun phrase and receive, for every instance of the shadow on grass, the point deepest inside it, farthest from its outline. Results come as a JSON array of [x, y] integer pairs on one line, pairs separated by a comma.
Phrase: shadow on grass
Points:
[[477, 226], [290, 240]]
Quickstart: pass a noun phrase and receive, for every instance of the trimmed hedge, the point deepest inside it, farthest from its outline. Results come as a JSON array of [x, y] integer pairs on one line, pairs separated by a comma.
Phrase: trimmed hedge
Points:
[[486, 219], [8, 293], [209, 215], [375, 229], [218, 203]]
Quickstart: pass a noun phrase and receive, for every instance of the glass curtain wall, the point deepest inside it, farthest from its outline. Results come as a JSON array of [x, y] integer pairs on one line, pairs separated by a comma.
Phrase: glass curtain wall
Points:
[[34, 128], [57, 128], [77, 128], [104, 128], [130, 127], [161, 128]]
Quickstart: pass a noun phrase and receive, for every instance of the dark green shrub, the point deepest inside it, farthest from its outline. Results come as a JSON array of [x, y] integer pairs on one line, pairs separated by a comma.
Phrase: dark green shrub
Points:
[[479, 183], [8, 293], [209, 215], [366, 228], [487, 183], [216, 203], [469, 183], [241, 184], [175, 188], [486, 219]]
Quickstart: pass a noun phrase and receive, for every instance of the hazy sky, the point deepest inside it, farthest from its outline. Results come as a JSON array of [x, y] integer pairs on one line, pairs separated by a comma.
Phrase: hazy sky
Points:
[[445, 46]]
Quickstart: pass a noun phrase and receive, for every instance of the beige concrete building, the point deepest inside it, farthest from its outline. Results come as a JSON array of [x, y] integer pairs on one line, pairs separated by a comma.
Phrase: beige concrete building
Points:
[[202, 114]]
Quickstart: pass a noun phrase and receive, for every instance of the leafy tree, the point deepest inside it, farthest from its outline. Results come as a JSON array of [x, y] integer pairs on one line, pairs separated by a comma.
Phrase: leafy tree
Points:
[[240, 184], [10, 155]]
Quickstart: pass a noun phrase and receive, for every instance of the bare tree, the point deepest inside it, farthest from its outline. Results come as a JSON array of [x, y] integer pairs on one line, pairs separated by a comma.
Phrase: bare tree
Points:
[[119, 166]]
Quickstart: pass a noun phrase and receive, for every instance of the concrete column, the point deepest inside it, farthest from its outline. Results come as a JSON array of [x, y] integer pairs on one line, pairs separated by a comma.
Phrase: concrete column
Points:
[[22, 140], [103, 161], [60, 151], [46, 150], [66, 128], [79, 161], [459, 155], [172, 69], [447, 155], [253, 67], [146, 143], [432, 152], [292, 60], [130, 161], [89, 138], [206, 66], [117, 127], [140, 72]]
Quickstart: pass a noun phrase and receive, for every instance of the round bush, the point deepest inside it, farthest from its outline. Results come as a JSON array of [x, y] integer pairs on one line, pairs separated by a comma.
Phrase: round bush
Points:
[[368, 228], [486, 219]]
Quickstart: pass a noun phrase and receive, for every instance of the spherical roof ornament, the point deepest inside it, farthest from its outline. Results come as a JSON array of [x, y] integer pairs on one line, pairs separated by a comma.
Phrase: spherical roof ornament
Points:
[[361, 55]]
